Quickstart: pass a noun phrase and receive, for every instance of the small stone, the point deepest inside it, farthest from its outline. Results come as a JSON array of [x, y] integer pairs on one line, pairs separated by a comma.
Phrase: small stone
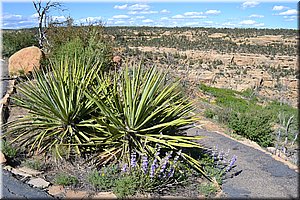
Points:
[[2, 158], [27, 170], [104, 195], [39, 183], [8, 168], [56, 190], [71, 194], [271, 149], [172, 197]]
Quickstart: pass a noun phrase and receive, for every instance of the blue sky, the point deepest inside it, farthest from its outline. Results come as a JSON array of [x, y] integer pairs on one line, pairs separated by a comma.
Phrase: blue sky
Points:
[[240, 14]]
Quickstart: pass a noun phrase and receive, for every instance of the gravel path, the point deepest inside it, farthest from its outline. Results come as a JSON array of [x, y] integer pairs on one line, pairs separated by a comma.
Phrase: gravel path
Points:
[[13, 188], [260, 175]]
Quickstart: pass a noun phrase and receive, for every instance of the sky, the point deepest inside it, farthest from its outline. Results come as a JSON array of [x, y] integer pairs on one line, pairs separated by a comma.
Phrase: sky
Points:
[[220, 14]]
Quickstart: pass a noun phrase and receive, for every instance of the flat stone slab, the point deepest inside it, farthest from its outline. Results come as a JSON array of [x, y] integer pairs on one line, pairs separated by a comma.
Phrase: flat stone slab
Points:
[[104, 195], [27, 170], [39, 183]]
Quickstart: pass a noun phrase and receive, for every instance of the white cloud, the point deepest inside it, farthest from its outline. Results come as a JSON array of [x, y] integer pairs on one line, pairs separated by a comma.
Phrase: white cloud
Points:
[[178, 17], [228, 24], [208, 22], [198, 17], [250, 4], [119, 22], [148, 12], [147, 21], [120, 16], [247, 22], [192, 13], [289, 12], [213, 12], [290, 18], [12, 17], [279, 7], [259, 24], [191, 23], [58, 18], [164, 18], [89, 19], [121, 7], [139, 7], [35, 15], [164, 11], [256, 16], [140, 17]]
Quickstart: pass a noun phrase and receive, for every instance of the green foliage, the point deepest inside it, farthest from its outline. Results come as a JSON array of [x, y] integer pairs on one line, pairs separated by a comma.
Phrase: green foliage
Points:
[[104, 179], [140, 107], [207, 189], [254, 125], [126, 186], [65, 179], [34, 164], [13, 41], [90, 38], [244, 117], [209, 113], [8, 150], [59, 110]]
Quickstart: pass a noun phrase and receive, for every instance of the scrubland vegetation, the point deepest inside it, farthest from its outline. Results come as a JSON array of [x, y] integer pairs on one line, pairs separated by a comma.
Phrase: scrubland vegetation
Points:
[[129, 124]]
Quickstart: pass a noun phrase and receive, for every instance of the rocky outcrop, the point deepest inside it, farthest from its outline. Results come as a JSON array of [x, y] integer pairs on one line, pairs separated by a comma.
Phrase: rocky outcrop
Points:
[[24, 61]]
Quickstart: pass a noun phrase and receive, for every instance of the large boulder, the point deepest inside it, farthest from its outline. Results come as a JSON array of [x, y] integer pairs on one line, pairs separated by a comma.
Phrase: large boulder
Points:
[[25, 60]]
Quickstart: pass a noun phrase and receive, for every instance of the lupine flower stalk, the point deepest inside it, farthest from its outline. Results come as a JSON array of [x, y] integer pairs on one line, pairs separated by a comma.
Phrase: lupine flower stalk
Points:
[[234, 158], [124, 168], [153, 167], [133, 159], [145, 164]]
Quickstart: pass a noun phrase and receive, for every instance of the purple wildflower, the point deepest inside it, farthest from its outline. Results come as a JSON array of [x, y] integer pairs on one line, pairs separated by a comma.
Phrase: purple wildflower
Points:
[[145, 164], [133, 159], [234, 158], [221, 155], [124, 168], [153, 166], [172, 168], [165, 161]]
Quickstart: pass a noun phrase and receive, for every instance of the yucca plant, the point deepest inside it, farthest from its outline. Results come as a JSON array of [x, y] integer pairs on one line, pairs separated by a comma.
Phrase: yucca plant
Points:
[[140, 111], [59, 111]]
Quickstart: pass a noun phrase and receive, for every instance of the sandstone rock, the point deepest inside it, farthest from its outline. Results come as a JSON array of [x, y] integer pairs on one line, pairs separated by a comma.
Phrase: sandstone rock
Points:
[[39, 183], [25, 60], [104, 195], [56, 190], [2, 158], [29, 171], [71, 194]]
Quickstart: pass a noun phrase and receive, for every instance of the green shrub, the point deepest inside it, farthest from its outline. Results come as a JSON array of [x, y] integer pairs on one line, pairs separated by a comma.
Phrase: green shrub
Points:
[[34, 164], [67, 39], [207, 189], [14, 41], [209, 113], [126, 186], [254, 125], [8, 150], [65, 179], [105, 178]]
